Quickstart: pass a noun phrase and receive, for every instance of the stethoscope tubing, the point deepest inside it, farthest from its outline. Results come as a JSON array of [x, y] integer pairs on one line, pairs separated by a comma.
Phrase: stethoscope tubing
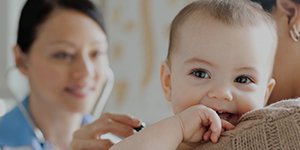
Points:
[[36, 131], [97, 109]]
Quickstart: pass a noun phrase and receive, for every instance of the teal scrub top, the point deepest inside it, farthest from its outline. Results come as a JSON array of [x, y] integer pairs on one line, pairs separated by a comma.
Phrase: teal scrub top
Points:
[[17, 133]]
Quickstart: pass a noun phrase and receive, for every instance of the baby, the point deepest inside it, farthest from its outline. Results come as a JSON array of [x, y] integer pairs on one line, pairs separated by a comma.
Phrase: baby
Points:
[[219, 67]]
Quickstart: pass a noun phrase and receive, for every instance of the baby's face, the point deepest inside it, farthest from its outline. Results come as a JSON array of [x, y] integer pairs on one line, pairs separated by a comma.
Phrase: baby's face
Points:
[[223, 67]]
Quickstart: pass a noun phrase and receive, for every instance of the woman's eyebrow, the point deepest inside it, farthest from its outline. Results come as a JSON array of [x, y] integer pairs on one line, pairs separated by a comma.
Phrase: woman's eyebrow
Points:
[[63, 42]]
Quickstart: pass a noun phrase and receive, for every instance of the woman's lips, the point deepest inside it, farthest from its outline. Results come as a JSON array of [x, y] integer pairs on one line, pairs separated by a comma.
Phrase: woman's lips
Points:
[[79, 92]]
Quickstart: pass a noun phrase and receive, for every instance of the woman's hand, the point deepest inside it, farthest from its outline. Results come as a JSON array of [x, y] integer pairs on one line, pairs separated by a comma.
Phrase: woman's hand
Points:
[[88, 136]]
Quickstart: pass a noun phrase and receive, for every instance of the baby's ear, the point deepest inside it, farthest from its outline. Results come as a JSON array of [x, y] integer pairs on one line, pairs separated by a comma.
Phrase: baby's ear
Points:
[[165, 79], [270, 87]]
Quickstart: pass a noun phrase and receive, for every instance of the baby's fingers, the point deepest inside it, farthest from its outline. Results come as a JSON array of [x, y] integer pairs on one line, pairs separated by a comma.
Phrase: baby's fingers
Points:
[[226, 125], [215, 136], [215, 127], [207, 135]]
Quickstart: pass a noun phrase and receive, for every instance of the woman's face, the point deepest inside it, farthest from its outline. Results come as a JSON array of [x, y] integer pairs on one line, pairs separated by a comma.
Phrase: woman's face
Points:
[[67, 62]]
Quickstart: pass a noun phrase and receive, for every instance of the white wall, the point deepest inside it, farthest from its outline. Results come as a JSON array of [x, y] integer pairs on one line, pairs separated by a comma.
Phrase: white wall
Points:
[[3, 41], [9, 14], [138, 37], [138, 34]]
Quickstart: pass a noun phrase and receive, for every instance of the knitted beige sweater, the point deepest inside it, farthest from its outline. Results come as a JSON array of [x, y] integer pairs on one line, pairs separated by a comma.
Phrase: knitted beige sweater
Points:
[[276, 127]]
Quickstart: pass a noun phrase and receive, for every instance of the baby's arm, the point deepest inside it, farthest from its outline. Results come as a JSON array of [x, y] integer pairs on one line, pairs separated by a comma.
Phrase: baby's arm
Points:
[[189, 126]]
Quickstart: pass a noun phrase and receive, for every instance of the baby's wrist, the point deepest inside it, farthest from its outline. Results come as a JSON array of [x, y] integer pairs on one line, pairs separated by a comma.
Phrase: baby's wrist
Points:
[[180, 122]]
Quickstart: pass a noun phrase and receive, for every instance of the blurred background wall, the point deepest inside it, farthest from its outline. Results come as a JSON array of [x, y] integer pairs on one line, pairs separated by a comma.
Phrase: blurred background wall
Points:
[[138, 40]]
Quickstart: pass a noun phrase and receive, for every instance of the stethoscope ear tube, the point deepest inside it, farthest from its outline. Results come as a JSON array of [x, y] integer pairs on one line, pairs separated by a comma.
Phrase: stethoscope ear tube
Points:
[[36, 131], [104, 95], [97, 109]]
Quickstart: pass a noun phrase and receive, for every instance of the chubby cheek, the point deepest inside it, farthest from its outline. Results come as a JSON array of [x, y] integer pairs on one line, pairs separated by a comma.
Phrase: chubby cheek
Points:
[[250, 103], [182, 99]]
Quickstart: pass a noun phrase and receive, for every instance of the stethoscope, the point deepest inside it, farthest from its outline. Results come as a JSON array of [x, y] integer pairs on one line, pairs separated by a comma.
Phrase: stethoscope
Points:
[[96, 110]]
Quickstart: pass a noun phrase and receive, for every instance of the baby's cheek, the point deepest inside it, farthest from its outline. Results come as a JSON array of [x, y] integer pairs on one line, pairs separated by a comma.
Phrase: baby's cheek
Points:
[[181, 105], [245, 107]]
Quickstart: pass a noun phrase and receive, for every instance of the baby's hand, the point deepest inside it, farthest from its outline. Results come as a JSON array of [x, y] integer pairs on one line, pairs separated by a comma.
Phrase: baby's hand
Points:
[[202, 123], [225, 126]]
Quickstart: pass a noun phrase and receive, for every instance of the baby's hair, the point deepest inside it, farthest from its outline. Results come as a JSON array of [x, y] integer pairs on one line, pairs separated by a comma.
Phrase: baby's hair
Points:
[[228, 12]]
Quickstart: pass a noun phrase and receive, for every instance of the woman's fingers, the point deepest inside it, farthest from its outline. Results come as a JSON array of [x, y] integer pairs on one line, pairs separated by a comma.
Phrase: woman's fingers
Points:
[[119, 129], [80, 144], [120, 125], [89, 136], [87, 131], [124, 119]]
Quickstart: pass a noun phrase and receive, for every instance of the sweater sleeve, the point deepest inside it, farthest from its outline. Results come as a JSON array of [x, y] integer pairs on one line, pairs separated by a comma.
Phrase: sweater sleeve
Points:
[[274, 127]]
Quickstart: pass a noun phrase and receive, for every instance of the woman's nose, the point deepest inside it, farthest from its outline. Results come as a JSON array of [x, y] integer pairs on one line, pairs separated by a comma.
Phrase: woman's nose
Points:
[[220, 92], [84, 67]]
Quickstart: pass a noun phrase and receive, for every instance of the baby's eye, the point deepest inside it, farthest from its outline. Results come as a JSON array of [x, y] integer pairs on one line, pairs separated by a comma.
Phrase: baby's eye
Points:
[[244, 79], [200, 73]]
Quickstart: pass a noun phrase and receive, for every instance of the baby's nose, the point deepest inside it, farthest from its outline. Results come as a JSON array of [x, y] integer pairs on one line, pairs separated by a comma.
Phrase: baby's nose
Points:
[[220, 93]]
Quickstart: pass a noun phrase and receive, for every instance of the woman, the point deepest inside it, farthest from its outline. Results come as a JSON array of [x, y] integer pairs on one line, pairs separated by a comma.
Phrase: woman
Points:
[[286, 73], [62, 50]]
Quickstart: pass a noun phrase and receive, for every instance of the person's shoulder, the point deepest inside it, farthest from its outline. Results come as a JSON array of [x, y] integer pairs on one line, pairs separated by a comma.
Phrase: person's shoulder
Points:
[[9, 120], [288, 103], [275, 126], [14, 129], [275, 112]]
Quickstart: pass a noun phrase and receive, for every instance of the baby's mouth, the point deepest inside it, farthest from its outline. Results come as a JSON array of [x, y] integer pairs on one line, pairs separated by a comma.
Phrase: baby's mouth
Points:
[[224, 115], [230, 117]]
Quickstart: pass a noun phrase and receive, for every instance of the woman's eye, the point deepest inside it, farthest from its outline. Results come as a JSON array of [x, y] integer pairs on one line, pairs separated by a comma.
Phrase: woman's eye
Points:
[[200, 74], [243, 79], [96, 54], [63, 56]]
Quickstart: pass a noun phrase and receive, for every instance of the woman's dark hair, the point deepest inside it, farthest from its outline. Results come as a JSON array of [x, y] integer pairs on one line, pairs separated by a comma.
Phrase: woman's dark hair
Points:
[[36, 12], [269, 4], [266, 4]]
